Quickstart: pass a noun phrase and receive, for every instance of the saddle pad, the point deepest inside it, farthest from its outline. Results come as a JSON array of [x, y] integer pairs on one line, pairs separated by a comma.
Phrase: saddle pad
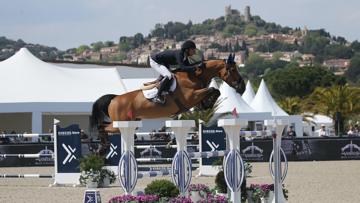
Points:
[[150, 93]]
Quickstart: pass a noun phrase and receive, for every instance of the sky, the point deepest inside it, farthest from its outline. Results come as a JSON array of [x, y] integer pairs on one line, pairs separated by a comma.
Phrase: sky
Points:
[[70, 23]]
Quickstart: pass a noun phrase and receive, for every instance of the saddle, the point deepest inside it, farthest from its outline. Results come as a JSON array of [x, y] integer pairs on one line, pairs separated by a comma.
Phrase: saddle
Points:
[[150, 89]]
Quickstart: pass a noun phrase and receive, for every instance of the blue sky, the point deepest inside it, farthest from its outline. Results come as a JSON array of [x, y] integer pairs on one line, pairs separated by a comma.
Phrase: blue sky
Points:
[[71, 23]]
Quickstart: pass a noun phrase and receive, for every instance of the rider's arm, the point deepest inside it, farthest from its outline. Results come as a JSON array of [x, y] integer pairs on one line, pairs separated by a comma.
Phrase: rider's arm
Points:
[[184, 67]]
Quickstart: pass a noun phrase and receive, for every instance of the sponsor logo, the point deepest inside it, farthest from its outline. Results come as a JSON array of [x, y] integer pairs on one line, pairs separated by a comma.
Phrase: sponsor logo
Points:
[[253, 152], [350, 151], [71, 154], [212, 145], [151, 152], [112, 151], [45, 160]]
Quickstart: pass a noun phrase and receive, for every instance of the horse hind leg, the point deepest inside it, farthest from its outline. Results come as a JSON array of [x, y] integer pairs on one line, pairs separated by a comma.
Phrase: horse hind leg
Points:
[[104, 138]]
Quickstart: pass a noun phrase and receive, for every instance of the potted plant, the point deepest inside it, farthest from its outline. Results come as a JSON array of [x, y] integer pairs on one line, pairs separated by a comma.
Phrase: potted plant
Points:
[[107, 177], [90, 178], [262, 193], [90, 167], [198, 192]]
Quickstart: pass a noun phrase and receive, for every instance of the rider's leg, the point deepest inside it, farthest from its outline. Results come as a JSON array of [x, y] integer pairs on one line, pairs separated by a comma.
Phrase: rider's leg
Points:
[[155, 81], [165, 83], [164, 86], [162, 70]]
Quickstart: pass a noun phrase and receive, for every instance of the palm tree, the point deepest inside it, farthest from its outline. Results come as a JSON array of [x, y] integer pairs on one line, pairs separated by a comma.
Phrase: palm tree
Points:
[[295, 106], [336, 100], [292, 105]]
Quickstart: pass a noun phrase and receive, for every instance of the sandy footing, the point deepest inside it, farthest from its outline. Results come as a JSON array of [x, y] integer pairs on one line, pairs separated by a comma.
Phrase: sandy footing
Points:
[[326, 181]]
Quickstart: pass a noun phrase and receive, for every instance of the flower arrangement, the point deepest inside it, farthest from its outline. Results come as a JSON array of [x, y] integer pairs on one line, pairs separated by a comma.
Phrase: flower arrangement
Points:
[[134, 199], [180, 199], [89, 176], [198, 187], [260, 190], [106, 173], [214, 199]]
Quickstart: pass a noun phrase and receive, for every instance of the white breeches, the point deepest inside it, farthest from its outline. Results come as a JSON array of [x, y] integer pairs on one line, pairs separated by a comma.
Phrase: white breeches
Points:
[[162, 70]]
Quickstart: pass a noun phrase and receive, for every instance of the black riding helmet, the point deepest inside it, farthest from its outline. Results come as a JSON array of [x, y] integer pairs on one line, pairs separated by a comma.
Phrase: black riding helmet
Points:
[[188, 45]]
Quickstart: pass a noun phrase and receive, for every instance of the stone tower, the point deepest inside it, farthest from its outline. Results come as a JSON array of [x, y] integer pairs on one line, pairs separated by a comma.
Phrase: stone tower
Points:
[[247, 15], [227, 11]]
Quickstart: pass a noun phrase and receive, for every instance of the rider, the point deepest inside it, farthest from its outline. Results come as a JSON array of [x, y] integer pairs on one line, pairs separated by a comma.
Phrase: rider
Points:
[[163, 61]]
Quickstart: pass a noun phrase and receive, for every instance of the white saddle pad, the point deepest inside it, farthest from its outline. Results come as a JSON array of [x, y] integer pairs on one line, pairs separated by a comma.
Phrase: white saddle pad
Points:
[[151, 93]]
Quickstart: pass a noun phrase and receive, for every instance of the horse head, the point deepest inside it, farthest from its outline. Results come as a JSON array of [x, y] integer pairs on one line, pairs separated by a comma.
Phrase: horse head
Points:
[[230, 74]]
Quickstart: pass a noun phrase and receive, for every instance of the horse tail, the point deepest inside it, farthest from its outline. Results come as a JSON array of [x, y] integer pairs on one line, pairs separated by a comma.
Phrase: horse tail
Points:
[[99, 113]]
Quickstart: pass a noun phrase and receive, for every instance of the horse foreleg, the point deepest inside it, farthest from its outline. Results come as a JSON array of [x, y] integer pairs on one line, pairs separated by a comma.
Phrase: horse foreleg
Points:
[[206, 97]]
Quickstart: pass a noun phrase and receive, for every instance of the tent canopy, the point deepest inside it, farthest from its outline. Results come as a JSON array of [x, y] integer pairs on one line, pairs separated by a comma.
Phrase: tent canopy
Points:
[[263, 102], [29, 84], [249, 93]]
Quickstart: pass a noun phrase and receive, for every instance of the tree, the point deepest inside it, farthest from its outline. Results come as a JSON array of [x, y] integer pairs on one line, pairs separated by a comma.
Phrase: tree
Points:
[[250, 30], [355, 45], [336, 99], [82, 48], [292, 105], [138, 39], [97, 46], [299, 81], [353, 72]]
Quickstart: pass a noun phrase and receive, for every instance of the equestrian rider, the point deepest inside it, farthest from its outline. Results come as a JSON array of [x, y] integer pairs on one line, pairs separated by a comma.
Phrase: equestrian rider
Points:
[[164, 61]]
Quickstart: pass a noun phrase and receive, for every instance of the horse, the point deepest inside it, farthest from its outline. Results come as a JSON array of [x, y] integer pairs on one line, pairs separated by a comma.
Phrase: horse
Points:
[[191, 90]]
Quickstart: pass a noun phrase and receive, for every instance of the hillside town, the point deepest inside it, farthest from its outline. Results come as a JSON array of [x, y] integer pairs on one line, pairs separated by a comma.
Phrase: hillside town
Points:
[[240, 44], [247, 45]]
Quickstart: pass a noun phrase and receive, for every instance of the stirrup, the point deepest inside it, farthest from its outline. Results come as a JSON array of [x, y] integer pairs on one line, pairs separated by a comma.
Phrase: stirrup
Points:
[[152, 82], [159, 99]]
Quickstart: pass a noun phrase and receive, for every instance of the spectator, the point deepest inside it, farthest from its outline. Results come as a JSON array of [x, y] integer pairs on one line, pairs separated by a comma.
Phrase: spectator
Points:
[[322, 131], [351, 132], [4, 140], [357, 128], [291, 132], [83, 135]]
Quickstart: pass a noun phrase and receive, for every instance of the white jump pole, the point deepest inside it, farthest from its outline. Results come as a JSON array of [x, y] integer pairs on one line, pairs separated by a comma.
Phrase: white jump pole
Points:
[[233, 165], [127, 164], [278, 191], [181, 165]]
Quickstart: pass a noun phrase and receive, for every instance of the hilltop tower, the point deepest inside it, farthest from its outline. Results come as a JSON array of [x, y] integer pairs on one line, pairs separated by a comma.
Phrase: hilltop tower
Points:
[[247, 15], [227, 11], [230, 12]]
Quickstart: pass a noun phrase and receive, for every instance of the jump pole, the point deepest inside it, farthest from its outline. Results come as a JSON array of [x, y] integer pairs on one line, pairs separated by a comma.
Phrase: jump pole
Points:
[[181, 165], [127, 165], [234, 169], [278, 177]]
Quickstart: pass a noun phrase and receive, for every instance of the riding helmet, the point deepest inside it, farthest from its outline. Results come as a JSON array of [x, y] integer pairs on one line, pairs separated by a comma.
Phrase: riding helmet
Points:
[[188, 45]]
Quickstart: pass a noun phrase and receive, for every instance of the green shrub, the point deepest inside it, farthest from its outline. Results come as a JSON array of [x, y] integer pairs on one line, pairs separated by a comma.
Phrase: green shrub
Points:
[[162, 188], [93, 161], [220, 182]]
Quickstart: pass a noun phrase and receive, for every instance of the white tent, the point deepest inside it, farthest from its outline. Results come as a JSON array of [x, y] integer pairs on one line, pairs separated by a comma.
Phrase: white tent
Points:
[[231, 100], [29, 85], [249, 93], [264, 102]]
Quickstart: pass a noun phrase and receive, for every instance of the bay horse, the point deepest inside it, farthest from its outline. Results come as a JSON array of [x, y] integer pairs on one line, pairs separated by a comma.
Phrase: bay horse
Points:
[[191, 90]]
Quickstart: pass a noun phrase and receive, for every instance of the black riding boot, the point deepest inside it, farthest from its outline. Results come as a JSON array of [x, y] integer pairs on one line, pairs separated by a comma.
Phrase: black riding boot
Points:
[[164, 86]]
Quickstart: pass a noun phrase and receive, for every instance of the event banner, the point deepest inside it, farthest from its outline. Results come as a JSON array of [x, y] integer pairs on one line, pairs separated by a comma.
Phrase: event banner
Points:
[[33, 148], [257, 150], [69, 149], [296, 149]]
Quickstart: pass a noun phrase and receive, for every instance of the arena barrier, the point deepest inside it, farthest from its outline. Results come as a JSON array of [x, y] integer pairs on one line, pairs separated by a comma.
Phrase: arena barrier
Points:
[[67, 152], [181, 172]]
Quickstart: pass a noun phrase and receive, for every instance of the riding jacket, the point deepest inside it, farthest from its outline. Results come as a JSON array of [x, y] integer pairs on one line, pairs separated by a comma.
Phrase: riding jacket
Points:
[[174, 59]]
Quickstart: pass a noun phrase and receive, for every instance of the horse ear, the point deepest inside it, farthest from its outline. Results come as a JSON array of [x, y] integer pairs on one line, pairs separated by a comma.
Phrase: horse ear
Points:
[[233, 57], [229, 59]]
